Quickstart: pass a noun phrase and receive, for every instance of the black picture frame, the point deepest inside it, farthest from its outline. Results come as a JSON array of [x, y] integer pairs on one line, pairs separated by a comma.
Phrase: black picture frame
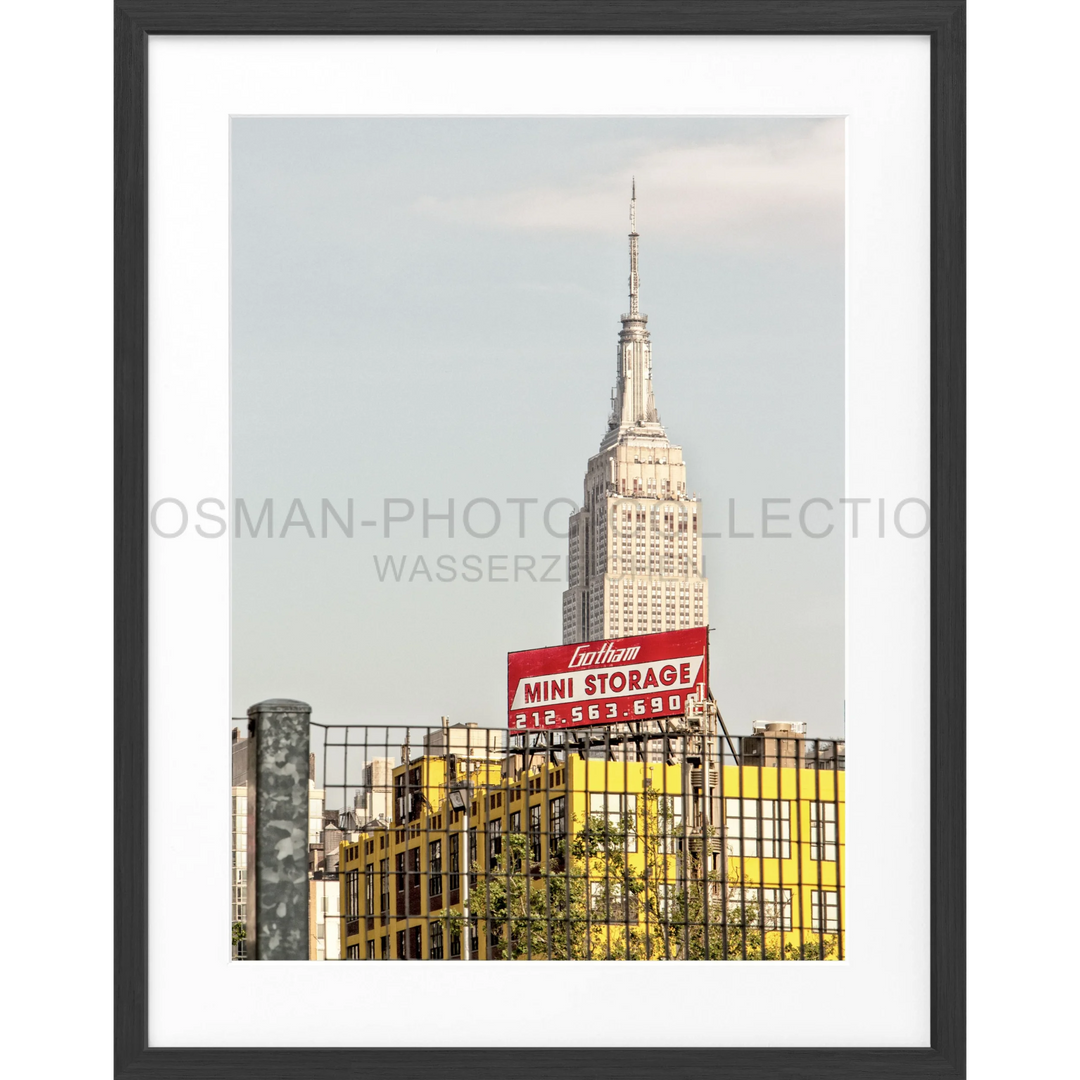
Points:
[[943, 21]]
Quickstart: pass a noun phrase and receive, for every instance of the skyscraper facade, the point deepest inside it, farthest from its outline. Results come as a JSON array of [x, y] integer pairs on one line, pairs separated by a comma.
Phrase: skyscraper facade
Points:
[[635, 558]]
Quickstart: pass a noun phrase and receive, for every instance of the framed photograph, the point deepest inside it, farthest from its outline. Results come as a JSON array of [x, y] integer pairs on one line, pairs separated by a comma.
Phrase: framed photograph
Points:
[[540, 538]]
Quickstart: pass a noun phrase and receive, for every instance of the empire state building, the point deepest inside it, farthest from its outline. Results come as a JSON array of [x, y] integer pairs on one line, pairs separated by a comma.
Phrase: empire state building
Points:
[[635, 544]]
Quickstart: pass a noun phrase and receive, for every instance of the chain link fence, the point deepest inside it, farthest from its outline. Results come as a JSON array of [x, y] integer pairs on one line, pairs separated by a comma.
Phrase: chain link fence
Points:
[[654, 840]]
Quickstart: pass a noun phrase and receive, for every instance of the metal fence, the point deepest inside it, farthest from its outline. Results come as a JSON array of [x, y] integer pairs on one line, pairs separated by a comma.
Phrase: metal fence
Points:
[[654, 840]]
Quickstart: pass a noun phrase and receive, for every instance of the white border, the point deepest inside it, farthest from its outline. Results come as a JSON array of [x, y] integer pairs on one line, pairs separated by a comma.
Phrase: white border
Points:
[[878, 997]]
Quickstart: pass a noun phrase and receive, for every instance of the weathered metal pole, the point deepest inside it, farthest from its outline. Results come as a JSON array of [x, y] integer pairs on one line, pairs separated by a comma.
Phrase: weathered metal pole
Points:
[[278, 830]]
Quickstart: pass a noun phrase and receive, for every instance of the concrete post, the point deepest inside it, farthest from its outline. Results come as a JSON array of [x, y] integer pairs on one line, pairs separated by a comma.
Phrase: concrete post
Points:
[[278, 830]]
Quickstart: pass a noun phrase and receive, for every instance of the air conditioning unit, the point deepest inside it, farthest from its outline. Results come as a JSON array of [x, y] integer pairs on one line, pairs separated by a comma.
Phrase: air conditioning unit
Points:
[[715, 844], [697, 774]]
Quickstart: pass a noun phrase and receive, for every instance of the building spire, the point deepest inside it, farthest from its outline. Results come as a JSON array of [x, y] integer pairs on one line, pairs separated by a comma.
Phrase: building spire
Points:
[[633, 408], [633, 248]]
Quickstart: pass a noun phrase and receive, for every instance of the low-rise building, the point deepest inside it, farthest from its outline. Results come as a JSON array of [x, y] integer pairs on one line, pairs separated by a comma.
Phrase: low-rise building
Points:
[[627, 845], [324, 918]]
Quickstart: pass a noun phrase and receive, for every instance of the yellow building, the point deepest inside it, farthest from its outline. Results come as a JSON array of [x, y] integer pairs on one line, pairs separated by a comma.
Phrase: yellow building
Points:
[[559, 855]]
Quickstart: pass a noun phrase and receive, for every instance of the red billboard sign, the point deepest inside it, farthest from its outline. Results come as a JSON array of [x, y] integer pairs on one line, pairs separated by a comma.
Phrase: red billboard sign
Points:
[[607, 682]]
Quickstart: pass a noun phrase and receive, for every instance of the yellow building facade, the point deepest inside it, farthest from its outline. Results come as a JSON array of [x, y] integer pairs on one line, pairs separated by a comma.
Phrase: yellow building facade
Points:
[[578, 858]]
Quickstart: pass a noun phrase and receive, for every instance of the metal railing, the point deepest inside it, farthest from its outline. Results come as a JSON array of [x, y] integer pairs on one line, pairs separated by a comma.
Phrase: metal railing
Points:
[[656, 840]]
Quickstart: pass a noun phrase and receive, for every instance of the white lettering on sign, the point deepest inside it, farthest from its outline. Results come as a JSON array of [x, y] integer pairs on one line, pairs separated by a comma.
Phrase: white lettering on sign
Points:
[[608, 653], [623, 681]]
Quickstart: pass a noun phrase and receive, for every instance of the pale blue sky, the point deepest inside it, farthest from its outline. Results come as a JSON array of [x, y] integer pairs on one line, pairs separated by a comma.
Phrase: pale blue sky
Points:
[[429, 308]]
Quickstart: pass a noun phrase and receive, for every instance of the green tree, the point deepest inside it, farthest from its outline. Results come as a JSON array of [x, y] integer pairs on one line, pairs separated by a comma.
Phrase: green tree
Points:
[[706, 917], [702, 933], [583, 904], [591, 901]]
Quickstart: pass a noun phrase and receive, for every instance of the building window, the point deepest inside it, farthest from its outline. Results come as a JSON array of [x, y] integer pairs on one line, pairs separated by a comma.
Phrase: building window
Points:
[[416, 795], [535, 817], [823, 831], [371, 949], [494, 842], [352, 895], [750, 907], [401, 954], [352, 952], [470, 857], [384, 886], [557, 832], [619, 812], [416, 946], [435, 947], [455, 944], [239, 895], [608, 902], [825, 912], [759, 828], [369, 889], [455, 862], [384, 947], [435, 868], [665, 899], [414, 880]]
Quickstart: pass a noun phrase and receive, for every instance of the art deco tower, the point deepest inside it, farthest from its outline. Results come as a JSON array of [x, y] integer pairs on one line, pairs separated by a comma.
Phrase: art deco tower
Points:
[[635, 545]]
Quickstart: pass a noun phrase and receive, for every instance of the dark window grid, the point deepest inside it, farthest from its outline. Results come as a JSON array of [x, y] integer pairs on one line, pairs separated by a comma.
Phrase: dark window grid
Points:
[[535, 818], [435, 877], [768, 908], [384, 886], [761, 830], [435, 941], [352, 894], [825, 911], [369, 889], [494, 842], [823, 831], [454, 854]]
